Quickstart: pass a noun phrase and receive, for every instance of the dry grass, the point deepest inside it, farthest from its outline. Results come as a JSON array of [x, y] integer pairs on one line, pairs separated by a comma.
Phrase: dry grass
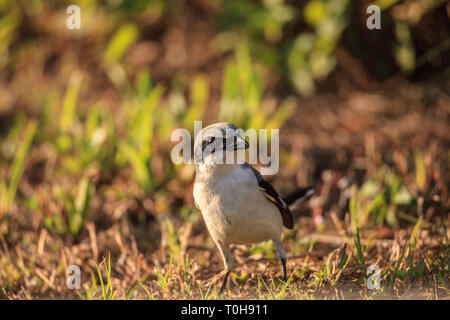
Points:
[[170, 255]]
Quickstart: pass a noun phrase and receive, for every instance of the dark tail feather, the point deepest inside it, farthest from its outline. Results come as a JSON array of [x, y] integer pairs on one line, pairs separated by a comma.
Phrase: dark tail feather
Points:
[[298, 195]]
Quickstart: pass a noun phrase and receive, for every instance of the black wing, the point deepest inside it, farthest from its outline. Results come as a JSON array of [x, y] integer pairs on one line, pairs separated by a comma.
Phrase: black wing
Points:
[[273, 197]]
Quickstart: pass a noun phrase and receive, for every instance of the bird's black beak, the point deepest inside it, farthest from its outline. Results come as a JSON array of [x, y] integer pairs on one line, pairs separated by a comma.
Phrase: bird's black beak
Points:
[[240, 143]]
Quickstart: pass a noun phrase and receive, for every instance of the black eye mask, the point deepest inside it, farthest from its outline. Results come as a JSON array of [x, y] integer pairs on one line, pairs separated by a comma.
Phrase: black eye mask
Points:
[[206, 143]]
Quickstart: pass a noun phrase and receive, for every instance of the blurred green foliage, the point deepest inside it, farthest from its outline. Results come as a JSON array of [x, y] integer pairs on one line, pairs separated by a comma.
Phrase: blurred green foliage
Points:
[[377, 200], [242, 96], [136, 147], [311, 56], [125, 123], [8, 188], [299, 40]]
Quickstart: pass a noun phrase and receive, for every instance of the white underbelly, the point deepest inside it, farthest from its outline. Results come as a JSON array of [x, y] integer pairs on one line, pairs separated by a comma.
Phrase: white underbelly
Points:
[[238, 216]]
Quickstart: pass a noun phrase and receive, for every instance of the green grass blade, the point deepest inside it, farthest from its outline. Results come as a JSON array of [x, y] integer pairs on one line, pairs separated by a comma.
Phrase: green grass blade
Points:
[[70, 102], [18, 165]]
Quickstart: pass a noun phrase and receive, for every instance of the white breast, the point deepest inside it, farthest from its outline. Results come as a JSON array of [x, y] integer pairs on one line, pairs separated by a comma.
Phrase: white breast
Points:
[[235, 210]]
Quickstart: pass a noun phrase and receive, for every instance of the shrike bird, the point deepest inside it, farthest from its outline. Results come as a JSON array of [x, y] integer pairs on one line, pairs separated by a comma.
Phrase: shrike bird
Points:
[[237, 204]]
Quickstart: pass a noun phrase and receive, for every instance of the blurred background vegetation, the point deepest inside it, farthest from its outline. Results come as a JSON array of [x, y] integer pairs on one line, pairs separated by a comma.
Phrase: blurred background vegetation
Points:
[[86, 117]]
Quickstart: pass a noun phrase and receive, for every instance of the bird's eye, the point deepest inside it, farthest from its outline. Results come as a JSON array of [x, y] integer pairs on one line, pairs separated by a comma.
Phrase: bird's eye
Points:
[[206, 142]]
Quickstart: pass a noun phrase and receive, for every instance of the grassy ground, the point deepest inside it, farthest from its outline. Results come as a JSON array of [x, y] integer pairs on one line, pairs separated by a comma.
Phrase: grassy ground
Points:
[[86, 176]]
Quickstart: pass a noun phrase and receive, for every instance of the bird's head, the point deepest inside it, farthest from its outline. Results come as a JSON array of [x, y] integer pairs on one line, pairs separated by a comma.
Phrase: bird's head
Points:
[[215, 141]]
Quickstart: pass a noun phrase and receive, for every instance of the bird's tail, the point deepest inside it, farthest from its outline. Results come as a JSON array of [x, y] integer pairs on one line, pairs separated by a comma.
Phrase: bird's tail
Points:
[[298, 195]]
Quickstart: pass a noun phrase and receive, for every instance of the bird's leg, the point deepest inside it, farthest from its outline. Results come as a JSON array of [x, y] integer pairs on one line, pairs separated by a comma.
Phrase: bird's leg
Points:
[[282, 255], [224, 283], [227, 258]]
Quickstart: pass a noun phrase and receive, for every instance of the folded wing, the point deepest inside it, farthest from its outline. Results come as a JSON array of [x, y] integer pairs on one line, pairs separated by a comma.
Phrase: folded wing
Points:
[[273, 197]]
